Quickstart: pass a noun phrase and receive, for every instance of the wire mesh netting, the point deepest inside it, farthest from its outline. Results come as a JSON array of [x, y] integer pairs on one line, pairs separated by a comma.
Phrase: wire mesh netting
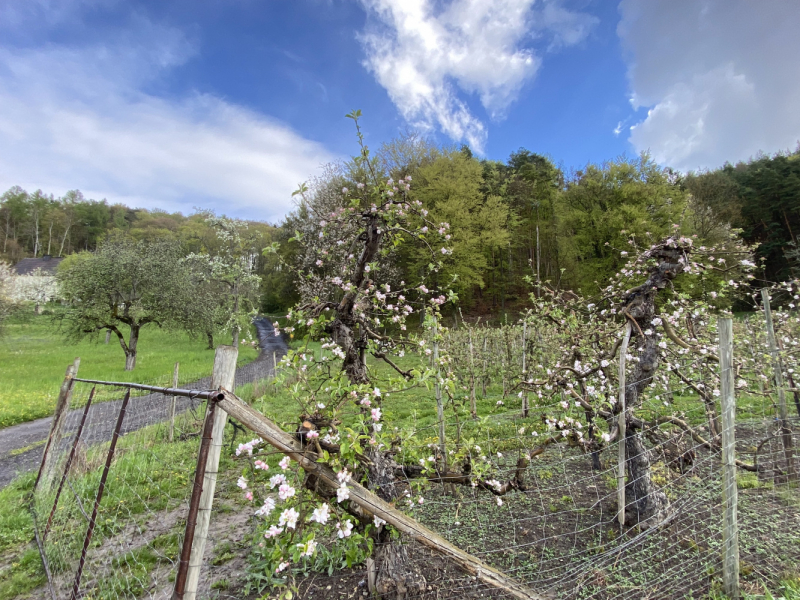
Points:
[[137, 533], [555, 530]]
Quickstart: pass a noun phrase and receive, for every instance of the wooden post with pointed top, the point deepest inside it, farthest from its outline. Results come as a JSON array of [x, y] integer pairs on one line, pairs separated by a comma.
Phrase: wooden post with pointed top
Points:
[[172, 404], [222, 377], [524, 368], [622, 426], [45, 475], [438, 390]]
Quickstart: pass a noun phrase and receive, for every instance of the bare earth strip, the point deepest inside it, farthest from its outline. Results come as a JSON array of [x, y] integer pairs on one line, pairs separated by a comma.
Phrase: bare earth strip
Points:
[[21, 445]]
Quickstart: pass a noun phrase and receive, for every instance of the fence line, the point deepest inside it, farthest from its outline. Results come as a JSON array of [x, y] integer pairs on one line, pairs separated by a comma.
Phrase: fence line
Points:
[[534, 523]]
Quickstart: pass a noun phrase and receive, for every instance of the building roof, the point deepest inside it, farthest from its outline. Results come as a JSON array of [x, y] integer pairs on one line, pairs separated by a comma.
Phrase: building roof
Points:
[[47, 264]]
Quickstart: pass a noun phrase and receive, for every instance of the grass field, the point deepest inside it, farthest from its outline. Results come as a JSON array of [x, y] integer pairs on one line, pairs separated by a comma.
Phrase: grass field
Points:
[[34, 356], [20, 569]]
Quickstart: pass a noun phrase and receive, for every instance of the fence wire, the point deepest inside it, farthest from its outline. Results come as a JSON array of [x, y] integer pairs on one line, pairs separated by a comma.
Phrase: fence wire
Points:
[[558, 535], [140, 522]]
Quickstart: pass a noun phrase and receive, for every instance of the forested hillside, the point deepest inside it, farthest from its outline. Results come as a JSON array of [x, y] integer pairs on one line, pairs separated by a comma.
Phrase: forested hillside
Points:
[[513, 223]]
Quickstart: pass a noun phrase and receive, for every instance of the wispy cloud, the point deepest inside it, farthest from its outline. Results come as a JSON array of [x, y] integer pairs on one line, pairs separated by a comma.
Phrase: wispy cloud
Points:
[[78, 117], [424, 54], [730, 86]]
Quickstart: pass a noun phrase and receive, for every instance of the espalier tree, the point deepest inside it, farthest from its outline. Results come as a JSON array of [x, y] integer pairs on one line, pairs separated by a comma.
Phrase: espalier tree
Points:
[[666, 294], [353, 223]]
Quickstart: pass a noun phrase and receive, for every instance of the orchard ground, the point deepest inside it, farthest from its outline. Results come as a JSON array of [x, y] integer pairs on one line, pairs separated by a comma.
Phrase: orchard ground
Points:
[[476, 527]]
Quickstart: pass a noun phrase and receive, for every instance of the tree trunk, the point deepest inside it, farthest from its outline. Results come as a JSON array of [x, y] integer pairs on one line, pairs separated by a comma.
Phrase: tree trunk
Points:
[[130, 352], [210, 339], [353, 365], [647, 502], [64, 239], [235, 343]]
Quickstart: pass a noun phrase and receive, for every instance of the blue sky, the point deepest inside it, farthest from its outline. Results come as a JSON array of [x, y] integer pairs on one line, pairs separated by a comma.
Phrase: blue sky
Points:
[[228, 104]]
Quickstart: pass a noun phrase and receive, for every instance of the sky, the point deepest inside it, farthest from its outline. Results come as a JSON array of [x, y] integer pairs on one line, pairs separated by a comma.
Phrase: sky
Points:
[[230, 104]]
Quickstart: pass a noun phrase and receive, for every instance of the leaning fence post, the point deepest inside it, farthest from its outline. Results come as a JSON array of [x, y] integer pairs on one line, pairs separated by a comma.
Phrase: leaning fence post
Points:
[[786, 431], [730, 526], [222, 377], [621, 426], [172, 404], [194, 502], [60, 414]]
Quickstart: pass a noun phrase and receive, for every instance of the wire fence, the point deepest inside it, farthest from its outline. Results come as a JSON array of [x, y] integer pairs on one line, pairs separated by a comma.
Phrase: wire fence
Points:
[[556, 531], [137, 527]]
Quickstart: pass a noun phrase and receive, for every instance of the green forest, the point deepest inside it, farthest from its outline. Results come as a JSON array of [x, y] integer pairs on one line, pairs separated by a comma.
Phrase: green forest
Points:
[[513, 223]]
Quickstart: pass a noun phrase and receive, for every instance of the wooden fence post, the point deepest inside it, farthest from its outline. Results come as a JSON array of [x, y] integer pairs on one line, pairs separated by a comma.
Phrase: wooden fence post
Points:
[[730, 526], [777, 367], [172, 404], [473, 408], [438, 388], [621, 425], [222, 377], [524, 369], [194, 502], [59, 416]]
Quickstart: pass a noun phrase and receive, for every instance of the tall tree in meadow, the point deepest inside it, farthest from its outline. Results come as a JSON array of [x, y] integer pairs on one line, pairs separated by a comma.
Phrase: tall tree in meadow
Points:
[[123, 287], [229, 277]]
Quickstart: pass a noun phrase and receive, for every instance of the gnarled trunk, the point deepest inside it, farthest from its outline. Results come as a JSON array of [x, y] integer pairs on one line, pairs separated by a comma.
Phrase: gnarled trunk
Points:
[[647, 504], [352, 344]]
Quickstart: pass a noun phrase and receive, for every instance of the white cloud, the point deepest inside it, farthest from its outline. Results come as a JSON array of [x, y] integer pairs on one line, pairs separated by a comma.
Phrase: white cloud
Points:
[[721, 78], [77, 117], [423, 54]]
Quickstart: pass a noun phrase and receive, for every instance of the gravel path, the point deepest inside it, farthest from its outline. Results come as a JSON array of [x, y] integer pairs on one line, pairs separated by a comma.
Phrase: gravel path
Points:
[[21, 446]]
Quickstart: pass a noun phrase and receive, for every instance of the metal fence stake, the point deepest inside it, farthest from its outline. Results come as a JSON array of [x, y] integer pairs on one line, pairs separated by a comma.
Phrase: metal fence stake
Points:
[[194, 503]]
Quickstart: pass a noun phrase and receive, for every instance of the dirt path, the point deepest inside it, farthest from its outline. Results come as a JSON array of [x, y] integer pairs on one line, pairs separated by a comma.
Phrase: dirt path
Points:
[[21, 445]]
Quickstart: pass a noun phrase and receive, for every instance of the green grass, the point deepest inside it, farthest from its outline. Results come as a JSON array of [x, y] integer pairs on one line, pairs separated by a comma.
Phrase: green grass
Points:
[[34, 356], [23, 570], [130, 499], [170, 465]]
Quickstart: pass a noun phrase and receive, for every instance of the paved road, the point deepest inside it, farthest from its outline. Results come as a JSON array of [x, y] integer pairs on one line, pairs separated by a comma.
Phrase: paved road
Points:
[[142, 411]]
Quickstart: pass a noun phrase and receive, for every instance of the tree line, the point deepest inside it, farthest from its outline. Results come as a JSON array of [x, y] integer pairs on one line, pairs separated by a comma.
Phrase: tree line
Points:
[[527, 221], [513, 222]]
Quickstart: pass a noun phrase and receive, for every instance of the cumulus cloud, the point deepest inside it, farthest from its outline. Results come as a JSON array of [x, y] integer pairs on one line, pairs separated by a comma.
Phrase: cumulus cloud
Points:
[[79, 117], [720, 78], [424, 53]]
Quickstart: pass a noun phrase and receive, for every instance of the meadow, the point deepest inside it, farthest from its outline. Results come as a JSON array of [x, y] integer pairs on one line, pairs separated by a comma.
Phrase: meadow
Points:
[[34, 356]]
